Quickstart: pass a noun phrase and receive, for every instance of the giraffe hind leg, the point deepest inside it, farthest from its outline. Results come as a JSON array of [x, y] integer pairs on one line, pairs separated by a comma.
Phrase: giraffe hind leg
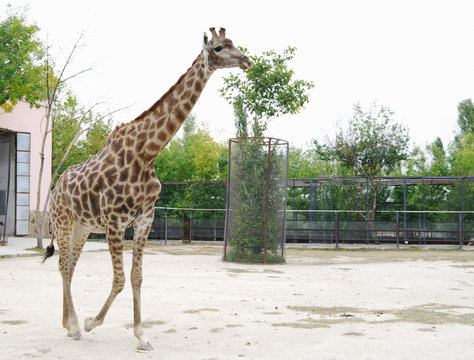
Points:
[[70, 246], [115, 241], [49, 250]]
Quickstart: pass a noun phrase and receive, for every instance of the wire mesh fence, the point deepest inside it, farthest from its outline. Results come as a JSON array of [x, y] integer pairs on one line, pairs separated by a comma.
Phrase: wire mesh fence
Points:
[[389, 227], [325, 227], [256, 200], [424, 193], [428, 210]]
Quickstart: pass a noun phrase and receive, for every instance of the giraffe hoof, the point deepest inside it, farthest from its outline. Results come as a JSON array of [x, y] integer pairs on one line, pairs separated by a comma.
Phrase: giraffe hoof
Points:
[[146, 346], [76, 335], [89, 324]]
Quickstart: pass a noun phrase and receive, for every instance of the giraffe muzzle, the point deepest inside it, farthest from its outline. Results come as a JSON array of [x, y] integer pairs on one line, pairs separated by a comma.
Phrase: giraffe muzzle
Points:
[[245, 63]]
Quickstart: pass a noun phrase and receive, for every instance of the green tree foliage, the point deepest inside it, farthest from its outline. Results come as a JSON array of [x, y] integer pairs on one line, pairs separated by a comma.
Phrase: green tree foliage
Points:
[[22, 66], [416, 164], [461, 161], [72, 123], [372, 146], [308, 164], [437, 160], [265, 91], [193, 156], [466, 116], [461, 155], [241, 122], [439, 165], [304, 164]]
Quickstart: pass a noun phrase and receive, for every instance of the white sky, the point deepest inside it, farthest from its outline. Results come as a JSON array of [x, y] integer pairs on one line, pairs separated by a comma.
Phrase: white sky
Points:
[[416, 56]]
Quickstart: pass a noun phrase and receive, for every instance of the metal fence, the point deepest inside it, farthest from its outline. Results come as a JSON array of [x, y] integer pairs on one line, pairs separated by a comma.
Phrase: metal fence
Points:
[[330, 227], [390, 227], [257, 186], [410, 210], [186, 224]]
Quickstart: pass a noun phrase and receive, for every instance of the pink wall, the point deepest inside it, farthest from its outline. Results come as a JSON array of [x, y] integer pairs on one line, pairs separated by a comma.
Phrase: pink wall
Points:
[[31, 120]]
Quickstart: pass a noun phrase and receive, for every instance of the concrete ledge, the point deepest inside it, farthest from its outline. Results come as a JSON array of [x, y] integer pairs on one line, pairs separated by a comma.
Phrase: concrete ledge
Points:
[[19, 246]]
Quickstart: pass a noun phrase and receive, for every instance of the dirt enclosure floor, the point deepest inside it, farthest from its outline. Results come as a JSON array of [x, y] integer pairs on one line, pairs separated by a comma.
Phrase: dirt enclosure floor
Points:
[[321, 304]]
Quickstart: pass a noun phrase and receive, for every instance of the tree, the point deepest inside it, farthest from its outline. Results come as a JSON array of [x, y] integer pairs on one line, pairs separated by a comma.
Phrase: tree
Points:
[[416, 164], [27, 73], [265, 91], [53, 86], [257, 195], [84, 121], [192, 156], [241, 122], [372, 146], [461, 155], [439, 165], [22, 70], [466, 116], [73, 124], [308, 164], [462, 158]]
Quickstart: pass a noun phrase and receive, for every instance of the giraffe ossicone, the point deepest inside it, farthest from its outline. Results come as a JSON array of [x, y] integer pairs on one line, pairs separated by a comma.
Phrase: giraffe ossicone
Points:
[[118, 187]]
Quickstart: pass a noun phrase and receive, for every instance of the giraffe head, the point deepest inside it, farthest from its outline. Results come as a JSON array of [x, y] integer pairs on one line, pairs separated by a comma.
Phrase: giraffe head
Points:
[[221, 52]]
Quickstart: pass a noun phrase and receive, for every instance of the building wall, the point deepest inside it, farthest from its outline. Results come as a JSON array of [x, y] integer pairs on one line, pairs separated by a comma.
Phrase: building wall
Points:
[[25, 120], [31, 120]]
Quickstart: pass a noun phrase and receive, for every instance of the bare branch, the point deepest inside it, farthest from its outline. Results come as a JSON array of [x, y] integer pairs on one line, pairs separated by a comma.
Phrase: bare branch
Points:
[[76, 74], [66, 64]]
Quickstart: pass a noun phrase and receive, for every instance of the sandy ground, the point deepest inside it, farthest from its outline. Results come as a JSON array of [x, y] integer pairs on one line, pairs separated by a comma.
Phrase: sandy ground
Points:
[[320, 305]]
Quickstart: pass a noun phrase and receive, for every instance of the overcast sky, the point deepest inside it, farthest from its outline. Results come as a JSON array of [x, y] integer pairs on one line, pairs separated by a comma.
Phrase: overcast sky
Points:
[[417, 57]]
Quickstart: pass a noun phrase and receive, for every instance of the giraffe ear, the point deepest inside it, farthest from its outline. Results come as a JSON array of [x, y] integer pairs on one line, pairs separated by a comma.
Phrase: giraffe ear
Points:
[[205, 42]]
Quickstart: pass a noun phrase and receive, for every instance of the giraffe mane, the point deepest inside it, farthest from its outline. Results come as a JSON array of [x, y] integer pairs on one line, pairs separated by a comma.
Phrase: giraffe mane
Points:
[[155, 105], [166, 94]]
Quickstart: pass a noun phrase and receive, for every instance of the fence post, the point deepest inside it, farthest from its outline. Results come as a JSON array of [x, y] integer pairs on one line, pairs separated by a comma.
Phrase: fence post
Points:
[[337, 231], [267, 190], [294, 214], [405, 234], [398, 230], [191, 225], [461, 215], [311, 210], [166, 226], [424, 212], [367, 226]]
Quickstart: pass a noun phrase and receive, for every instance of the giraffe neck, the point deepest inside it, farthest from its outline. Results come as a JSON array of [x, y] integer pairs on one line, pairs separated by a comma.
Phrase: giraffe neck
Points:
[[156, 126]]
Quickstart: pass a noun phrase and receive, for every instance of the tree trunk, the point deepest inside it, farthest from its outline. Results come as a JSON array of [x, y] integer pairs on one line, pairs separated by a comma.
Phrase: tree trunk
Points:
[[371, 226], [39, 217]]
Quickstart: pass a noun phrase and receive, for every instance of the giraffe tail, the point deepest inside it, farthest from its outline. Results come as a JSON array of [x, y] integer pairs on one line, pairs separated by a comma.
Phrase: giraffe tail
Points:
[[49, 249]]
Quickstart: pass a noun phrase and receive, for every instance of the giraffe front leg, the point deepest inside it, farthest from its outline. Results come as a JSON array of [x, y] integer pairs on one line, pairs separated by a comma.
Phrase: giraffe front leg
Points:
[[115, 241], [141, 228], [70, 322]]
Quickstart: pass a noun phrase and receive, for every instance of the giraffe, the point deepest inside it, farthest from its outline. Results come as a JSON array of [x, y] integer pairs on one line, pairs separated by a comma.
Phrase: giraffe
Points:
[[118, 187]]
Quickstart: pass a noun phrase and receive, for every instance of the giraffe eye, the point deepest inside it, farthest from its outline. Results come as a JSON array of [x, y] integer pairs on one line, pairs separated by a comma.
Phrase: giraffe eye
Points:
[[218, 48]]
